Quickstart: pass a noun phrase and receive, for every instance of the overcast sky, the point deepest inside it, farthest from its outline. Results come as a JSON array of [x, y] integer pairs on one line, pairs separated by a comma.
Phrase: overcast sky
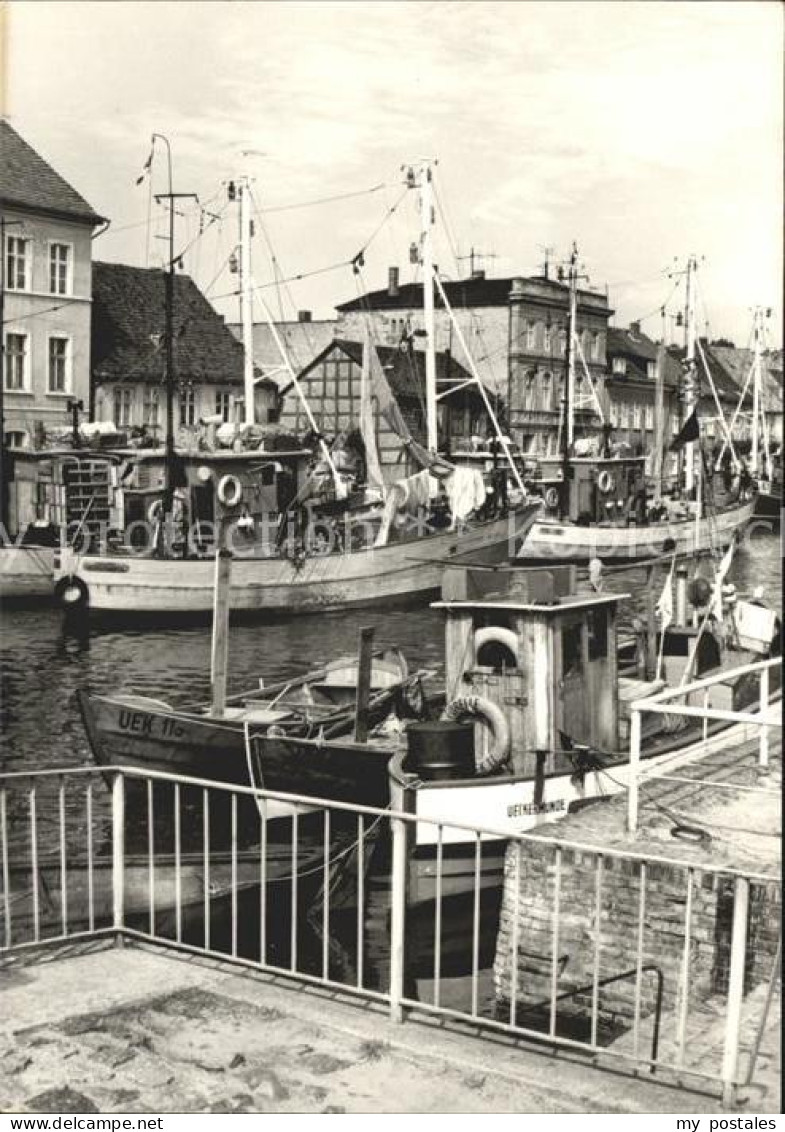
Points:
[[645, 131]]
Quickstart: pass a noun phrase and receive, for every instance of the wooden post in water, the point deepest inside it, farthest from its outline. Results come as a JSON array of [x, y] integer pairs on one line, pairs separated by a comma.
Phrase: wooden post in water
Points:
[[365, 662], [219, 657]]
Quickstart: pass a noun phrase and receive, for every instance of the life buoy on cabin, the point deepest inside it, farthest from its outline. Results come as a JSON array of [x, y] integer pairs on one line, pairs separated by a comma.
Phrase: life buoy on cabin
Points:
[[495, 635], [551, 498], [72, 594], [230, 491], [605, 482], [491, 714]]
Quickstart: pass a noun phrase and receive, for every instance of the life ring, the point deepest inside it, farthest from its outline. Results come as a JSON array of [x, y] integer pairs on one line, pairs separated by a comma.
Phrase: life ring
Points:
[[496, 635], [605, 482], [551, 498], [491, 714], [71, 594], [230, 491]]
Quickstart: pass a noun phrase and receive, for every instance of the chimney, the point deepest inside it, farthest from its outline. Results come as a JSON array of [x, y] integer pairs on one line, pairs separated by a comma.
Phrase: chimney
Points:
[[304, 316], [478, 273], [392, 282], [635, 327]]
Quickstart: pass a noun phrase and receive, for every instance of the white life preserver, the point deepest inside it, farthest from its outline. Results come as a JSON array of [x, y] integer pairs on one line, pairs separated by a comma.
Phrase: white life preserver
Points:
[[552, 498], [493, 634], [605, 481], [493, 716], [230, 491]]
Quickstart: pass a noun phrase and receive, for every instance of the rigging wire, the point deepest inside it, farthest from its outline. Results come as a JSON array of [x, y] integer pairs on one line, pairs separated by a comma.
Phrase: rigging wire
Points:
[[325, 200]]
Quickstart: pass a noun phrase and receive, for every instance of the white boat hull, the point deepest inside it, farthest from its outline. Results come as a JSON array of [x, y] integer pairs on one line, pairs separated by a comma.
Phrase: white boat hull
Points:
[[26, 572], [557, 541], [130, 584]]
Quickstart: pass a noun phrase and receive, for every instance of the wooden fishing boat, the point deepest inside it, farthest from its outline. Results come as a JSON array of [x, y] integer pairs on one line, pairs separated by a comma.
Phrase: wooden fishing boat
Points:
[[127, 584], [26, 572], [307, 723], [554, 655]]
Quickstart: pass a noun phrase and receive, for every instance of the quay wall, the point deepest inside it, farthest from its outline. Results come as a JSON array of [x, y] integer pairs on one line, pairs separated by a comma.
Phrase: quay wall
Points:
[[614, 920]]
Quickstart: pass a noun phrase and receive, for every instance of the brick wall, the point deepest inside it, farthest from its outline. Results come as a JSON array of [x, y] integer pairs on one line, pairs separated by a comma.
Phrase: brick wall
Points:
[[532, 893]]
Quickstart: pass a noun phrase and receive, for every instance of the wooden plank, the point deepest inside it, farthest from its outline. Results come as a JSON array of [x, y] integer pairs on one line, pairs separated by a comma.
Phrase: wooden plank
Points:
[[363, 683], [219, 658]]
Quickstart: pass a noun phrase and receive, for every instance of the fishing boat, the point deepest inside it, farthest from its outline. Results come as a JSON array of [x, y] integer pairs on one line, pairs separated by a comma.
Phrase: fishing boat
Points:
[[609, 506], [543, 666], [305, 543], [310, 724]]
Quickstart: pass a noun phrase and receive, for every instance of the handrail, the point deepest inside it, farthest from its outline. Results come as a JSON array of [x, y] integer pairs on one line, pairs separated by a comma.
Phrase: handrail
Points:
[[709, 682], [312, 802]]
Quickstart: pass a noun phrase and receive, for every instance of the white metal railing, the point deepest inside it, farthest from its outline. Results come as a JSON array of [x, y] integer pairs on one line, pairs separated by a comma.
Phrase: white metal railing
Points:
[[662, 703], [210, 848]]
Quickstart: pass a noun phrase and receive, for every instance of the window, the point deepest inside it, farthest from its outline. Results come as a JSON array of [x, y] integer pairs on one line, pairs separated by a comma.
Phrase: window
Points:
[[595, 347], [59, 366], [17, 361], [650, 369], [60, 269], [546, 340], [17, 266], [187, 407], [123, 405], [223, 405], [619, 365], [151, 408], [530, 335], [650, 416], [562, 342], [547, 391]]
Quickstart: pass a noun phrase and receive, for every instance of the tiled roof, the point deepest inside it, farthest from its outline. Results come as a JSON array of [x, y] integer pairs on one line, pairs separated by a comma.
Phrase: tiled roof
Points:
[[737, 363], [128, 329], [638, 350], [27, 181]]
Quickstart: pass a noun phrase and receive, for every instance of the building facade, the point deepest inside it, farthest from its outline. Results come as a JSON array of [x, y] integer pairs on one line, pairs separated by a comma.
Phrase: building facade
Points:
[[538, 309], [631, 386], [331, 386], [129, 357], [47, 265]]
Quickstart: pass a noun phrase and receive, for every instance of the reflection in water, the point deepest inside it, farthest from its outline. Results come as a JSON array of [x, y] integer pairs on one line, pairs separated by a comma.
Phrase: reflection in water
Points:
[[43, 663]]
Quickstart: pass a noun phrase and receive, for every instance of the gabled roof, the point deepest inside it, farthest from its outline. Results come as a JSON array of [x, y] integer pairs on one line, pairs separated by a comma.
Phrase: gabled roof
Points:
[[737, 363], [638, 350], [128, 326], [403, 368], [29, 182]]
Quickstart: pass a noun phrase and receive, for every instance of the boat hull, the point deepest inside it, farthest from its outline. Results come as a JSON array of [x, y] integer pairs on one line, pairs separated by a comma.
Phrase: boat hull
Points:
[[556, 541], [26, 572], [179, 743], [281, 585]]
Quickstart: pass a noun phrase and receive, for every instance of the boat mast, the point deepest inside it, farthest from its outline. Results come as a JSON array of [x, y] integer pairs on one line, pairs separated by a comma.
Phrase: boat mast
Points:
[[569, 383], [426, 219], [756, 381], [689, 380], [246, 291], [171, 459]]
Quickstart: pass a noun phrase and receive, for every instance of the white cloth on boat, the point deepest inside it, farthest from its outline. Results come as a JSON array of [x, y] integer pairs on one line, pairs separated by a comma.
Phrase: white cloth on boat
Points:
[[409, 495], [466, 492]]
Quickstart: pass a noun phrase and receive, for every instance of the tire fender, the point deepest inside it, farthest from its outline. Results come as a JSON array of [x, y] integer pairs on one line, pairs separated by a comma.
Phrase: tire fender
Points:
[[72, 594]]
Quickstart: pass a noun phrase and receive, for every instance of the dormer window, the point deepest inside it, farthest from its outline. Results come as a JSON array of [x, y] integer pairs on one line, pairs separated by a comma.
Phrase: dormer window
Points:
[[650, 369], [619, 365]]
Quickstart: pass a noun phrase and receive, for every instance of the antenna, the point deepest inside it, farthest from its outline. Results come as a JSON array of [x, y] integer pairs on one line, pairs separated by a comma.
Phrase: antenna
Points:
[[475, 255], [547, 253]]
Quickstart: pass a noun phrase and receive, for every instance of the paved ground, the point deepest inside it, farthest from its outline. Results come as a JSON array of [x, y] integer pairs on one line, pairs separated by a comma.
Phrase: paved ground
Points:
[[135, 1030]]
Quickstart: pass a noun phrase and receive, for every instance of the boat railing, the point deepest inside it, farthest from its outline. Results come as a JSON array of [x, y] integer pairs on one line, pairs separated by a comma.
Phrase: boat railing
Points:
[[551, 940], [693, 701]]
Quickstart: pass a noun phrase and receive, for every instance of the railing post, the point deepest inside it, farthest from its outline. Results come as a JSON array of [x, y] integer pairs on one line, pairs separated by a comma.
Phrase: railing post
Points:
[[118, 855], [400, 868], [738, 956], [763, 753], [635, 760]]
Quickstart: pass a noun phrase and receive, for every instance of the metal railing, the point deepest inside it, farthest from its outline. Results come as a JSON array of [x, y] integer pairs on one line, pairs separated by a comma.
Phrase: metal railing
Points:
[[250, 876]]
